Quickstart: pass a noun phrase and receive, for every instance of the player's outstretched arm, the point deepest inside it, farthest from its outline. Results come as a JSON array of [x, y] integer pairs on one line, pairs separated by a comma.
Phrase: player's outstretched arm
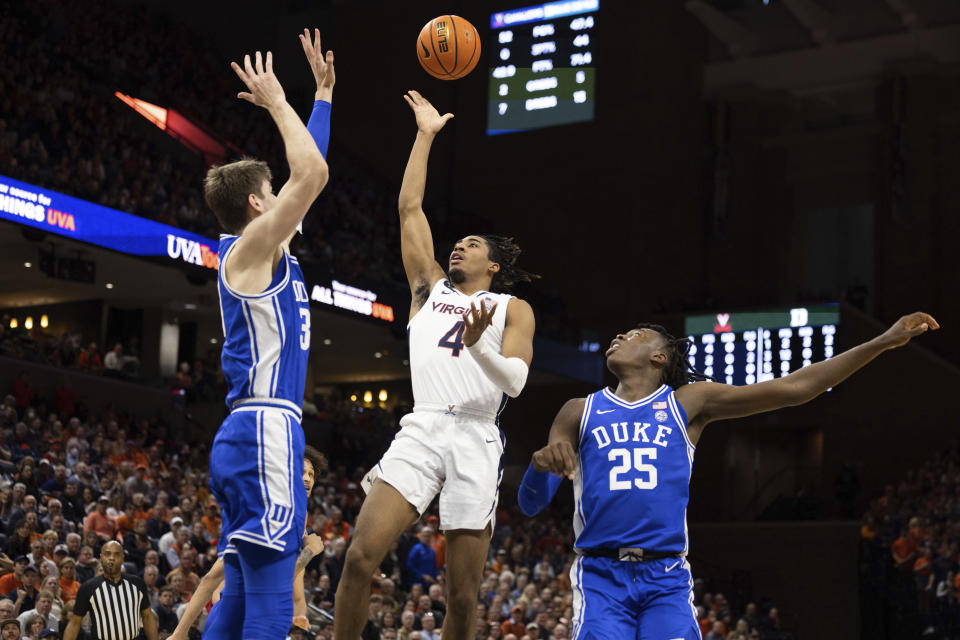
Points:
[[205, 589], [308, 169], [555, 461], [416, 241], [319, 123], [705, 402]]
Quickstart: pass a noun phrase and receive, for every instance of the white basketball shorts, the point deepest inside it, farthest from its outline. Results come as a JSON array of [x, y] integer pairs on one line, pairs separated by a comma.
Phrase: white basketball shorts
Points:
[[458, 455]]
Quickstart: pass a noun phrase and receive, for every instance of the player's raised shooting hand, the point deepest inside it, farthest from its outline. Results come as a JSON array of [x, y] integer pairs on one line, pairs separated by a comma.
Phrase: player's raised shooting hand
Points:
[[265, 90], [429, 119], [321, 64], [476, 322], [557, 458], [906, 328]]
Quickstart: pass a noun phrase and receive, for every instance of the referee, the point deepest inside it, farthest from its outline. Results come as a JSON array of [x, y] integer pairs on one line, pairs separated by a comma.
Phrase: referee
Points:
[[118, 605]]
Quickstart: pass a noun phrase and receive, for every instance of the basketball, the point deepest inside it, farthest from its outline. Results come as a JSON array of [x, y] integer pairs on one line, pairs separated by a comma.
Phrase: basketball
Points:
[[448, 47]]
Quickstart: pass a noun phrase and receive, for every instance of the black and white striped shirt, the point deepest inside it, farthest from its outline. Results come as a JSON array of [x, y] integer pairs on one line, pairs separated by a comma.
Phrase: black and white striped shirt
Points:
[[115, 609]]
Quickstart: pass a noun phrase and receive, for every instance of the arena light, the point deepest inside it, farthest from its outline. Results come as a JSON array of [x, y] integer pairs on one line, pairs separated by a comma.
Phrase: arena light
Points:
[[44, 321], [382, 395], [353, 396], [153, 113], [28, 323], [28, 264], [178, 126], [367, 397], [13, 323]]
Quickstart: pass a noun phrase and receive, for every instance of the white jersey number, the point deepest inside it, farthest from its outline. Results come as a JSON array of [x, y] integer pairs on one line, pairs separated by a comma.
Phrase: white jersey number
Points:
[[616, 484], [305, 329]]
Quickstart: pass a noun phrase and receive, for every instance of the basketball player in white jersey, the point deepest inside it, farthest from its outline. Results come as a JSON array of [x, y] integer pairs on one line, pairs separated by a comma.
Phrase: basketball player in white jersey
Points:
[[470, 348]]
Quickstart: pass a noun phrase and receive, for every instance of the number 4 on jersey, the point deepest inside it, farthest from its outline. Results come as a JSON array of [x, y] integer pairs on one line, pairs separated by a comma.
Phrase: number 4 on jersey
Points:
[[453, 339]]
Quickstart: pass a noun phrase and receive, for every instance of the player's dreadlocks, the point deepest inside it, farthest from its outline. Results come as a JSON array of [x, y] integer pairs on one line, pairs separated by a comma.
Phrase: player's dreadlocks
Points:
[[504, 251], [678, 371]]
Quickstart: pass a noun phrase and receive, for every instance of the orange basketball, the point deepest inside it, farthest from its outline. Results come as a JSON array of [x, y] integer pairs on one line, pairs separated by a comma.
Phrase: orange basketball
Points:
[[448, 47]]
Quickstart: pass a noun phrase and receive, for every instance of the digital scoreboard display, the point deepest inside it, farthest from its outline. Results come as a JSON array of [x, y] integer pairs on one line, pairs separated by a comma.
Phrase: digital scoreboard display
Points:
[[542, 66], [744, 348]]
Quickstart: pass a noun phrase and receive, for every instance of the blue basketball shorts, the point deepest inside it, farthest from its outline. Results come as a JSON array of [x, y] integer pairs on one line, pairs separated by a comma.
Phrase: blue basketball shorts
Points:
[[256, 474], [614, 600]]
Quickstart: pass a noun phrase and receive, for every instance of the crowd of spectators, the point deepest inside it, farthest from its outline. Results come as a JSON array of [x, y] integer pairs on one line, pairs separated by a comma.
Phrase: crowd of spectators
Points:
[[73, 480], [910, 548], [67, 350], [62, 128]]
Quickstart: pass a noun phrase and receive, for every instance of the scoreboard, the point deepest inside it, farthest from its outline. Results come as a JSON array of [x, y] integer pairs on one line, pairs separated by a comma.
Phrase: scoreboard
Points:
[[541, 66], [744, 348]]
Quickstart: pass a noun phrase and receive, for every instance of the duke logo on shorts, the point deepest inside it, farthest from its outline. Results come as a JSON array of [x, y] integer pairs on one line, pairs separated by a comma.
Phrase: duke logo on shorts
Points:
[[256, 462], [631, 493], [451, 443]]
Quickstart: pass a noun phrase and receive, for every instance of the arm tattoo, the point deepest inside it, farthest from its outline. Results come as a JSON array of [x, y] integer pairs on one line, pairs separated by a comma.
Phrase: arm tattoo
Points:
[[305, 557]]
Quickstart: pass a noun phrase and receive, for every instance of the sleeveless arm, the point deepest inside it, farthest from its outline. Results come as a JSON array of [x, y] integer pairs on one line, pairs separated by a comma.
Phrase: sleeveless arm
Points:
[[559, 456], [252, 260], [416, 239], [208, 584], [705, 402]]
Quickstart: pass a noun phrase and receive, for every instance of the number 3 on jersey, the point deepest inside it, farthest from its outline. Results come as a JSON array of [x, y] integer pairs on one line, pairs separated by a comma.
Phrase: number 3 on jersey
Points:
[[453, 339]]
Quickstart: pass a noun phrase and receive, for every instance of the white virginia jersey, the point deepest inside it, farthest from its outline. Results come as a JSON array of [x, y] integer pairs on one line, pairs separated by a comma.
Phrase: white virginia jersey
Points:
[[444, 374]]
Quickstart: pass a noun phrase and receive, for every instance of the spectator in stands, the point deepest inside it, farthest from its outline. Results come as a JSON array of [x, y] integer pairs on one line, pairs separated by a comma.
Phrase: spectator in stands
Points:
[[166, 615], [151, 577], [38, 558], [68, 583], [44, 608], [104, 526], [168, 539], [86, 564], [25, 597], [422, 561], [185, 569], [18, 544], [10, 582], [10, 629], [336, 527]]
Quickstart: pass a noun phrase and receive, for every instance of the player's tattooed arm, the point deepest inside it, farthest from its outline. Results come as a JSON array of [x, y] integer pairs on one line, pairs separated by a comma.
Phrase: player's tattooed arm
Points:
[[559, 456], [312, 547], [705, 402], [416, 239]]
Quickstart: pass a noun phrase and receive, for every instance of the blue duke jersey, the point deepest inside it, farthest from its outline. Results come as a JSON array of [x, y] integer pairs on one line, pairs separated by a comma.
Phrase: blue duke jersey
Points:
[[266, 336], [443, 373], [633, 482]]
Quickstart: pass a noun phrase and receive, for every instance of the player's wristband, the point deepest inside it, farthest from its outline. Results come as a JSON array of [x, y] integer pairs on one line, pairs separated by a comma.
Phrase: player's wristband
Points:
[[537, 490], [509, 374], [319, 125]]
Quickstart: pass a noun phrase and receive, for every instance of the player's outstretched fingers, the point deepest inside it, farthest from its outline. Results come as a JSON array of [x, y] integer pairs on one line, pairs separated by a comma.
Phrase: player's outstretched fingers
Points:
[[269, 61], [259, 65]]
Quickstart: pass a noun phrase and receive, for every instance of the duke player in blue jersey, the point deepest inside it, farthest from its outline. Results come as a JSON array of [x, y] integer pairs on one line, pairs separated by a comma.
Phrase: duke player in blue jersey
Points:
[[256, 461], [470, 348], [629, 452]]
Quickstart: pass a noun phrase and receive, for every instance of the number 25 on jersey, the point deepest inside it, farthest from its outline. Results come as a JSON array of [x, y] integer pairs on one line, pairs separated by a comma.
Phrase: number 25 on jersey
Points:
[[623, 455]]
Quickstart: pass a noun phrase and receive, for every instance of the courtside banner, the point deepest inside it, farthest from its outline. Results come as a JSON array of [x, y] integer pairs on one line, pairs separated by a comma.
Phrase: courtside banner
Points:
[[64, 215]]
